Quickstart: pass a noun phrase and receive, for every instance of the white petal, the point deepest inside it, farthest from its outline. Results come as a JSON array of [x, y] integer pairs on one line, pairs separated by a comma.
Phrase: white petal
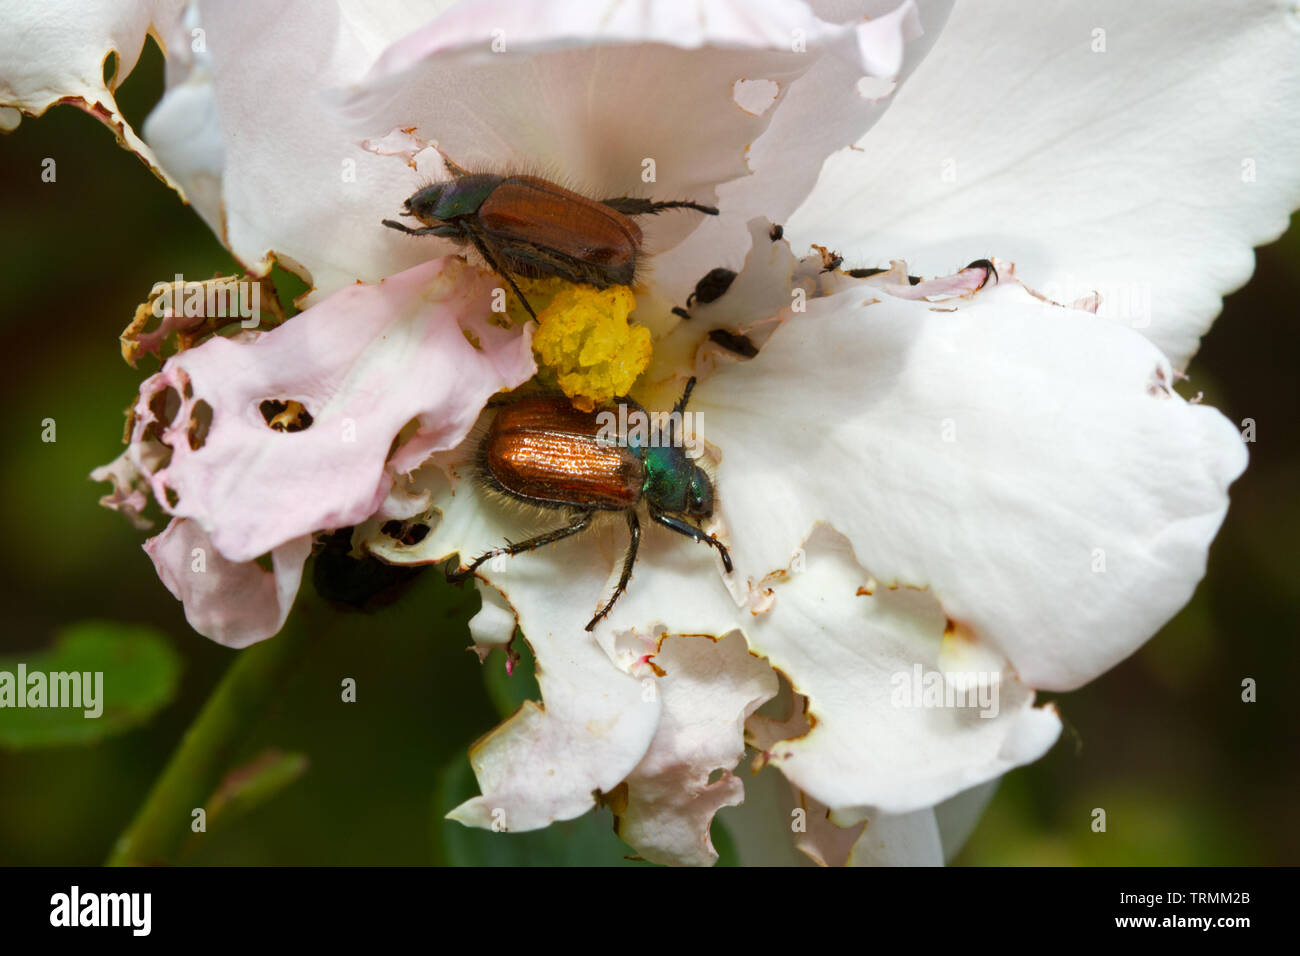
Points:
[[184, 128], [1145, 172], [866, 663], [870, 838], [54, 52], [820, 112], [610, 99], [1029, 464], [233, 603], [595, 723], [293, 183], [709, 688]]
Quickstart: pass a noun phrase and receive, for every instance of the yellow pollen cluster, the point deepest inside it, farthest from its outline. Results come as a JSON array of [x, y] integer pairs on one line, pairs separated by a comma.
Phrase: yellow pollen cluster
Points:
[[584, 338]]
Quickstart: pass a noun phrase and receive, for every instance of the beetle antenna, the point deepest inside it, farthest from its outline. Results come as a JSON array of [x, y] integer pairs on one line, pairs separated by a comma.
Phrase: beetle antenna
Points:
[[698, 207], [679, 411], [686, 396]]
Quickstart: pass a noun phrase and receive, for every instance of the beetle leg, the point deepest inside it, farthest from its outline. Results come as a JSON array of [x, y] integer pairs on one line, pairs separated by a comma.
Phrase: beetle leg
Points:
[[631, 206], [550, 537], [685, 527], [629, 559], [496, 267], [424, 231]]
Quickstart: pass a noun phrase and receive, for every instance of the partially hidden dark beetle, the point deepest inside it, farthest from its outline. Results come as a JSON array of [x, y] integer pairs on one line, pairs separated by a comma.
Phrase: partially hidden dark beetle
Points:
[[528, 226], [542, 451]]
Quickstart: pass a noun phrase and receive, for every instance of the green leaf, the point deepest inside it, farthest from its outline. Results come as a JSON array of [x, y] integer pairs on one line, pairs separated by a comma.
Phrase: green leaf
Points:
[[134, 673], [586, 841]]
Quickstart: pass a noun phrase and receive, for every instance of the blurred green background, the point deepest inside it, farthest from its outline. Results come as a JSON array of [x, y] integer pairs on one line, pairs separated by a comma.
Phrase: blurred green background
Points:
[[1187, 773]]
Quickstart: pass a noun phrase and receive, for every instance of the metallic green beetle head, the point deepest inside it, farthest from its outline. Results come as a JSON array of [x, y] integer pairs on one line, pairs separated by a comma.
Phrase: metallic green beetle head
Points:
[[675, 484], [699, 494], [439, 204]]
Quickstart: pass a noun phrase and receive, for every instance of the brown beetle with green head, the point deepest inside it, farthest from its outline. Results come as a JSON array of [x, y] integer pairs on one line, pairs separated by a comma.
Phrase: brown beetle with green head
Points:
[[527, 226]]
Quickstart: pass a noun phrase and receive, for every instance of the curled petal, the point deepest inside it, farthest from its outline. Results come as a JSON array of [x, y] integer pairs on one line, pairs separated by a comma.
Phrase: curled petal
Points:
[[233, 603], [130, 489]]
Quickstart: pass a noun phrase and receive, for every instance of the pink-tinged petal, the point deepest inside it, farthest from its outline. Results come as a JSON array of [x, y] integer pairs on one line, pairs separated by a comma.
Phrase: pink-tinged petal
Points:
[[130, 494], [1028, 464], [1116, 147], [54, 52], [233, 603], [709, 688], [362, 364]]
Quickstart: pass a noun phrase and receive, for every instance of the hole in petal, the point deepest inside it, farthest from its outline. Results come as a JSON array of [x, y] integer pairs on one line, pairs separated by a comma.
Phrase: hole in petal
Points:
[[110, 68], [755, 96], [200, 422], [165, 405], [173, 499], [286, 416], [405, 532]]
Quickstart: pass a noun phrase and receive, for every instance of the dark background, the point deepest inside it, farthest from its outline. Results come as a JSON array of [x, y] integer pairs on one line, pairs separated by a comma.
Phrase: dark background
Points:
[[1187, 772]]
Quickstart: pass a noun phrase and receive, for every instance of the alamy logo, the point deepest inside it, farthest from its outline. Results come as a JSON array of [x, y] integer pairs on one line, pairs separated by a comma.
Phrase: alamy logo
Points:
[[103, 909], [77, 689], [214, 299], [637, 428], [936, 689]]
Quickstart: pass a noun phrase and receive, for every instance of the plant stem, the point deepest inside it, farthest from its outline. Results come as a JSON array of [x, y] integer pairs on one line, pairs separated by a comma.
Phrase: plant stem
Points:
[[208, 749]]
